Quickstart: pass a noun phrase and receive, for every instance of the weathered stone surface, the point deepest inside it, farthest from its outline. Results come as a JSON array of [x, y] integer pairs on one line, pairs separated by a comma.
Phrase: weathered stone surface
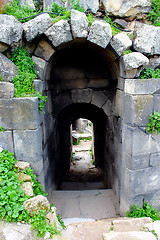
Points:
[[16, 231], [8, 69], [28, 3], [84, 95], [124, 8], [137, 108], [121, 22], [100, 33], [24, 177], [11, 29], [79, 24], [27, 188], [127, 225], [107, 107], [74, 84], [19, 113], [6, 140], [47, 4], [154, 62], [22, 165], [99, 98], [93, 5], [39, 66], [136, 162], [37, 26], [69, 73], [36, 204], [132, 62], [147, 39], [38, 85], [3, 47], [156, 102], [129, 236], [44, 50], [52, 217], [28, 139], [120, 42], [59, 33], [153, 199], [142, 86], [118, 103], [6, 90]]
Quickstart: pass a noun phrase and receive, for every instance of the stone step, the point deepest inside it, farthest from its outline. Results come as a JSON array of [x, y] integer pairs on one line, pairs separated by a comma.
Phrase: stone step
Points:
[[129, 236]]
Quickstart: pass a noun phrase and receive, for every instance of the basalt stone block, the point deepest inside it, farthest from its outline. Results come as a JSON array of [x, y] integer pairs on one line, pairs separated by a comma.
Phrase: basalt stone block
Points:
[[37, 26], [44, 50], [6, 90], [142, 86], [28, 145], [99, 99], [155, 160], [107, 108], [79, 24], [136, 162], [11, 29], [153, 199], [69, 72], [39, 66], [131, 64], [74, 84], [59, 33], [98, 83], [137, 108], [157, 102], [38, 85], [8, 69], [82, 96], [100, 33], [20, 113], [120, 42], [6, 141]]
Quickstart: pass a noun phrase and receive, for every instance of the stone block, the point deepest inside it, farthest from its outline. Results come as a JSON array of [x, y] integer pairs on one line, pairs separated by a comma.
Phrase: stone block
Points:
[[82, 96], [11, 29], [99, 98], [37, 26], [22, 165], [20, 113], [107, 108], [27, 188], [8, 69], [28, 145], [74, 83], [139, 235], [69, 73], [6, 141], [98, 83], [136, 141], [155, 160], [144, 181], [100, 33], [61, 101], [136, 109], [156, 102], [79, 24], [142, 86], [120, 42], [6, 90], [44, 50], [59, 33], [136, 162], [118, 103], [153, 199], [39, 66], [38, 85]]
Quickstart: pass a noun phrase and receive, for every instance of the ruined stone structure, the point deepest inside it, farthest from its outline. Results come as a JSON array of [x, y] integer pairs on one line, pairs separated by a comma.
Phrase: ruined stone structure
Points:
[[83, 73]]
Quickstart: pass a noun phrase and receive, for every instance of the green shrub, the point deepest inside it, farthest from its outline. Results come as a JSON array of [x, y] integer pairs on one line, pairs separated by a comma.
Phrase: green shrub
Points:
[[154, 14], [1, 129], [90, 19], [76, 6], [1, 79], [150, 73], [126, 52], [154, 123], [63, 13], [145, 211]]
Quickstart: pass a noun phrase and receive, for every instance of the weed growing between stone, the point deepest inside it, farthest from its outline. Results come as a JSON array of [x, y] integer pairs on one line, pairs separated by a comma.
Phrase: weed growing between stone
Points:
[[114, 30], [1, 79], [154, 123], [154, 14], [1, 129], [145, 211], [12, 197], [126, 52], [150, 73]]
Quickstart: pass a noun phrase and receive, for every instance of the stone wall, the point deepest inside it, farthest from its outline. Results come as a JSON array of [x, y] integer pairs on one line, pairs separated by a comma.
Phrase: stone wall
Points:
[[80, 66]]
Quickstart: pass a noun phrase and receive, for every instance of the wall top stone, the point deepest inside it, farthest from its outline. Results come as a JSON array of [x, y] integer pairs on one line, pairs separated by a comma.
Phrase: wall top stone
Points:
[[11, 29]]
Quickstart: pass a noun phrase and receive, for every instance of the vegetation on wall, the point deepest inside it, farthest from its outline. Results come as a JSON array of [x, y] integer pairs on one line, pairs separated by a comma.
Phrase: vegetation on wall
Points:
[[1, 129], [150, 73], [154, 123], [12, 197], [154, 14]]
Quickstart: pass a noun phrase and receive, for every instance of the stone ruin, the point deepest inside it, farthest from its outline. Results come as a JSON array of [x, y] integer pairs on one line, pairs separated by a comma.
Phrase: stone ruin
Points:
[[82, 71]]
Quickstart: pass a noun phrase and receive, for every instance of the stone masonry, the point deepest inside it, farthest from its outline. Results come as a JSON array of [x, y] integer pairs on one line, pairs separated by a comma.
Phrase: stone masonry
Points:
[[111, 89]]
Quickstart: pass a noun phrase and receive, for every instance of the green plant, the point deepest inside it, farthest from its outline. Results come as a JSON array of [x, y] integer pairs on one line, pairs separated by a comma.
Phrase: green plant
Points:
[[14, 8], [62, 13], [42, 101], [90, 19], [1, 79], [37, 187], [61, 221], [150, 73], [41, 224], [126, 52], [114, 29], [76, 6], [1, 129], [154, 14], [145, 211], [154, 123], [92, 156]]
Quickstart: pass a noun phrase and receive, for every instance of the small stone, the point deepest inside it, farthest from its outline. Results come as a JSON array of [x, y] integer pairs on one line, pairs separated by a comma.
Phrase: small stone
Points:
[[39, 66], [8, 69], [22, 177], [44, 50], [52, 217], [120, 42], [36, 204], [22, 165], [6, 90], [27, 188]]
